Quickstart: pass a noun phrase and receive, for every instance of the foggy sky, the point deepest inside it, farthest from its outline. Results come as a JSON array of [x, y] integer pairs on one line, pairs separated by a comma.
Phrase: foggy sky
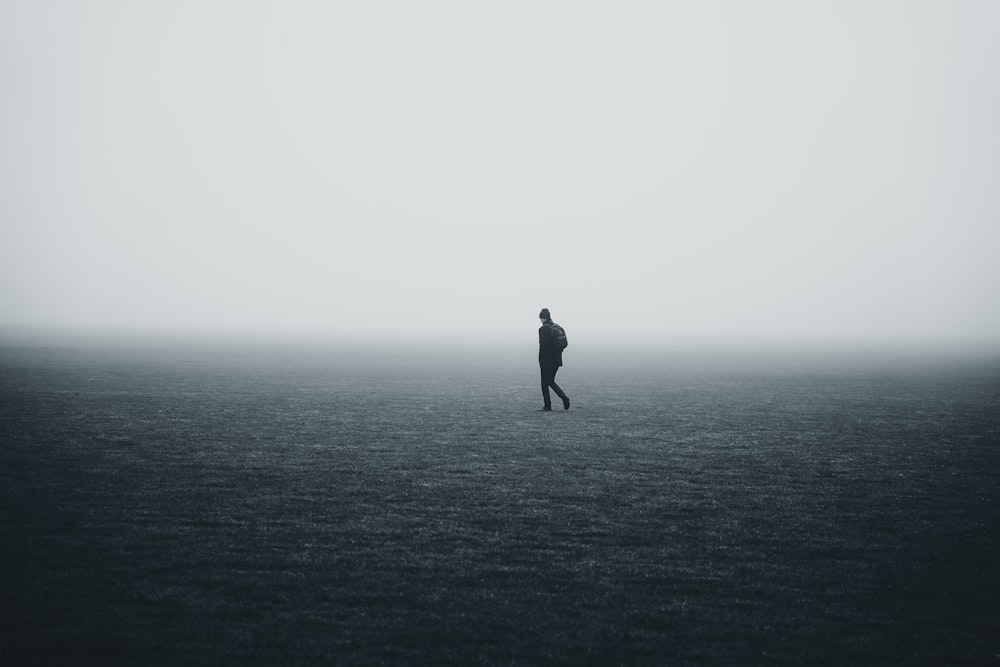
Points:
[[803, 169]]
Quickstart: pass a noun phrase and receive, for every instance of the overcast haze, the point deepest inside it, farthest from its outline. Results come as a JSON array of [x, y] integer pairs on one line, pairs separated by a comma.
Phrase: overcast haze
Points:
[[741, 169]]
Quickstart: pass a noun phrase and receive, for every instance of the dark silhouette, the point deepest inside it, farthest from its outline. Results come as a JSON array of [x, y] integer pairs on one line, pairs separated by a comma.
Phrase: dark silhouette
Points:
[[549, 360]]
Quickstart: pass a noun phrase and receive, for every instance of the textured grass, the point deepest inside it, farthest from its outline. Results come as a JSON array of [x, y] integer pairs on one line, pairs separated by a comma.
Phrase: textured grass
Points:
[[185, 507]]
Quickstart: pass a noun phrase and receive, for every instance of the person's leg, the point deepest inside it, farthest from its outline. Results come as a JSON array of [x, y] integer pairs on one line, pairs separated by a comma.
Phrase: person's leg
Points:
[[548, 377], [559, 392]]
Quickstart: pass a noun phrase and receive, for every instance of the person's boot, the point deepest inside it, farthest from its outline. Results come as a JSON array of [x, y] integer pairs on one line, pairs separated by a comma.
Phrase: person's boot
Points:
[[565, 402]]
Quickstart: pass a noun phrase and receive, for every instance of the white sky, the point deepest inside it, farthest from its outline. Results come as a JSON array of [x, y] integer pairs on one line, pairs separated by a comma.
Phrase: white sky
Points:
[[439, 169]]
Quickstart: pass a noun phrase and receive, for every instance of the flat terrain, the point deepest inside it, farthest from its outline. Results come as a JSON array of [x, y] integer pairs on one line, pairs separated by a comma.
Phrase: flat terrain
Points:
[[182, 506]]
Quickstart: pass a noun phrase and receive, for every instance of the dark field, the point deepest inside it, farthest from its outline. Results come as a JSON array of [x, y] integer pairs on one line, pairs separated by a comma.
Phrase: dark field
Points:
[[178, 506]]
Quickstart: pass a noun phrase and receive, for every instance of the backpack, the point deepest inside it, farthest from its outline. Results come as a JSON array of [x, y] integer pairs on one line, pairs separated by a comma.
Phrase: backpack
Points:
[[558, 335]]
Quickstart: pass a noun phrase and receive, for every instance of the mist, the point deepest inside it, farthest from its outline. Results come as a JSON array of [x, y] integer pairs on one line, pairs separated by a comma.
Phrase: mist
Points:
[[440, 171]]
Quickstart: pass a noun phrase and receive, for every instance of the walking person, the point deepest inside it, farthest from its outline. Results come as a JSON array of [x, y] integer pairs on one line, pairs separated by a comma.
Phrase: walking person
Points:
[[551, 343]]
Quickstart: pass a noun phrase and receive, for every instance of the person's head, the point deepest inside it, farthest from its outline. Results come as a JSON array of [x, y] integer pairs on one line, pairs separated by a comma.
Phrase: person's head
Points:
[[544, 315]]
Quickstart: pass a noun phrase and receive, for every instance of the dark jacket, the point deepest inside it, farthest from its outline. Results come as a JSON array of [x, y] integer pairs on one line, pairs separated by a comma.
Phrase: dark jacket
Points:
[[549, 355]]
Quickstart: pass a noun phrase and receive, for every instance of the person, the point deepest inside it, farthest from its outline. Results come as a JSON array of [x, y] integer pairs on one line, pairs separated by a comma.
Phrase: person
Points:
[[549, 361]]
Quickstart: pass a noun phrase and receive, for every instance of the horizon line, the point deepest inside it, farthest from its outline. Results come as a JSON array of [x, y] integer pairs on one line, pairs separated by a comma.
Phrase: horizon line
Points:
[[54, 335]]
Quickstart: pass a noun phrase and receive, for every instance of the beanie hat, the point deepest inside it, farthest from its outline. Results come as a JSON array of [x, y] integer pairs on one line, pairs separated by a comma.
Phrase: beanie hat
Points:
[[544, 315]]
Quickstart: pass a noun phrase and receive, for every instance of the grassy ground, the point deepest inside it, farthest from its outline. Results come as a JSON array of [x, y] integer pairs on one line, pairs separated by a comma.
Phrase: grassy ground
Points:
[[190, 510]]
